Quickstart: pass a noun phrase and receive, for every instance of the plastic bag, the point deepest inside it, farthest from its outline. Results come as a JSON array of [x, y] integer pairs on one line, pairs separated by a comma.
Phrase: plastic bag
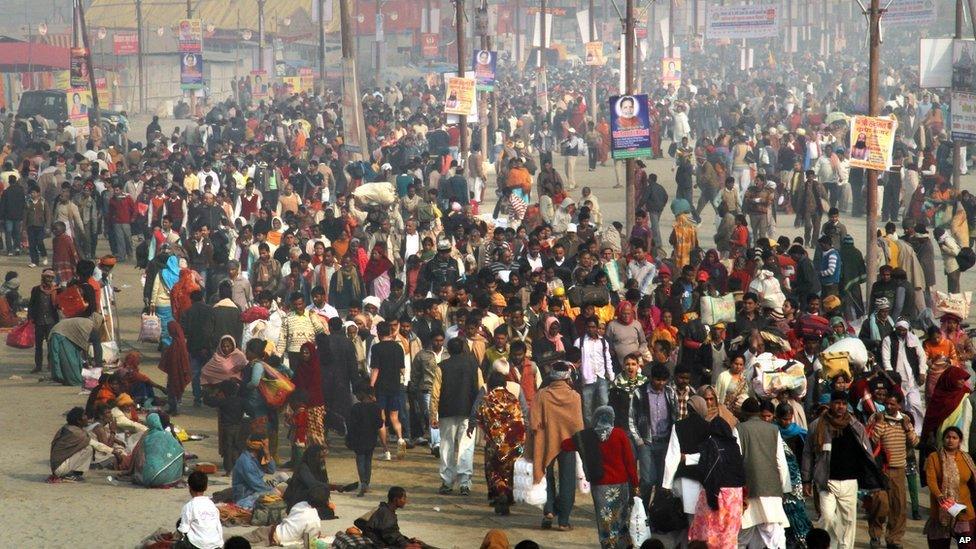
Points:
[[581, 482], [639, 530], [22, 336], [275, 387], [90, 377], [151, 329]]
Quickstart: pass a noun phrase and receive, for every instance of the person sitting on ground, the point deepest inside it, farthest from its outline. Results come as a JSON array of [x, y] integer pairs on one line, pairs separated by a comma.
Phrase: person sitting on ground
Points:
[[199, 520], [311, 476], [72, 448], [157, 459], [125, 415], [302, 519], [382, 529], [247, 479]]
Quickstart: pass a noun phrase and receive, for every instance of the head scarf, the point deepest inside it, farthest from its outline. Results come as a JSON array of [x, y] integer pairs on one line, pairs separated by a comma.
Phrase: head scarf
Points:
[[719, 409], [603, 422], [557, 340], [171, 272], [721, 458], [175, 362], [699, 405], [308, 377], [222, 366], [624, 306], [946, 397], [163, 455]]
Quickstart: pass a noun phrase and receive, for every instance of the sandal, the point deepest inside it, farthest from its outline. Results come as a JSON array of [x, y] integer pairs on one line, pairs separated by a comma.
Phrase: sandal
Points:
[[547, 521], [563, 528]]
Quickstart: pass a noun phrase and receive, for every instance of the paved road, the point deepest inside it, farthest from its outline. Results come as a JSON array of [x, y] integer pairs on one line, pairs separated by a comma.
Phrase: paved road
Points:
[[40, 515]]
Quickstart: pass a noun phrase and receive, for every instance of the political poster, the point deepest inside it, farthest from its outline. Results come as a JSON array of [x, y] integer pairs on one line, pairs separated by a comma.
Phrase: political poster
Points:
[[913, 13], [963, 117], [964, 66], [594, 54], [79, 68], [872, 140], [671, 70], [736, 22], [259, 84], [191, 71], [459, 95], [428, 45], [484, 63], [190, 36], [453, 118], [935, 62], [630, 126], [79, 101], [125, 43]]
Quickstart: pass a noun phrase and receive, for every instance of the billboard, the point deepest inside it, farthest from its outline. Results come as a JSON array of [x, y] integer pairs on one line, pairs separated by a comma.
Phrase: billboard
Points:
[[79, 68], [630, 127], [872, 140], [125, 43], [459, 95], [734, 22], [935, 62], [189, 36], [191, 71], [484, 63], [79, 101]]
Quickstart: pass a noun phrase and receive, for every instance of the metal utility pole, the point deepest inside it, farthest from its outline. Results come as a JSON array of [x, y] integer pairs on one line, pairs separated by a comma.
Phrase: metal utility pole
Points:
[[670, 28], [591, 38], [139, 58], [354, 130], [518, 37], [542, 83], [630, 41], [261, 34], [462, 119], [322, 44], [485, 96], [957, 158], [96, 113], [874, 57]]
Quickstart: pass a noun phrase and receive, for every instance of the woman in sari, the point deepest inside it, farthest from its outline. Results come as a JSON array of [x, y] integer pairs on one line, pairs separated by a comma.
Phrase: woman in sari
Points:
[[949, 473], [161, 302], [500, 418], [157, 459], [611, 469], [179, 295], [137, 384], [226, 363], [68, 349], [718, 274], [175, 363], [732, 387], [715, 406], [376, 276], [948, 407], [311, 477], [718, 515], [308, 378], [794, 438]]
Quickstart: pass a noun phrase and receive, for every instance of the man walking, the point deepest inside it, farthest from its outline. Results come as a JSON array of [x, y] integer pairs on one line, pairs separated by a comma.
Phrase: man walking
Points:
[[596, 369], [767, 479], [894, 433], [458, 384]]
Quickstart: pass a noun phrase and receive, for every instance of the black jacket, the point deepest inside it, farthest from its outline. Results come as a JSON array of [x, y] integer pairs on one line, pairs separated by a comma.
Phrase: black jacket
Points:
[[364, 426], [459, 386], [198, 325], [227, 321], [13, 203], [41, 308]]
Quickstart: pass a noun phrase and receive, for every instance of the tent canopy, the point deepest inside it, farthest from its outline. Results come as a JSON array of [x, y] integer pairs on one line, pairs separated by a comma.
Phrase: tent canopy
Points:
[[223, 14], [23, 56]]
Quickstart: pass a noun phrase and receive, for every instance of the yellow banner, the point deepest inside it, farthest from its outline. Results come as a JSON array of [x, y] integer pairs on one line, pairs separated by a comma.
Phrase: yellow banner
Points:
[[671, 70], [460, 96], [79, 101], [872, 141], [594, 54]]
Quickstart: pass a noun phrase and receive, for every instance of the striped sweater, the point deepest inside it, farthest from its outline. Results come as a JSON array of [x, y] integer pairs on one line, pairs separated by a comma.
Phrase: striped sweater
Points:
[[890, 434]]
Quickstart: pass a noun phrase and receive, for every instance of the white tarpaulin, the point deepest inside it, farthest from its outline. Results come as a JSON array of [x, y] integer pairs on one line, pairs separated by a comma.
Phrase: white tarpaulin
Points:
[[935, 62], [754, 21]]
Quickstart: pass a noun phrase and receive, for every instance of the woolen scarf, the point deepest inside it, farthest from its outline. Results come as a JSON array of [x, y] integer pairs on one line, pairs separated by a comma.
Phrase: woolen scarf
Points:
[[950, 480], [830, 427]]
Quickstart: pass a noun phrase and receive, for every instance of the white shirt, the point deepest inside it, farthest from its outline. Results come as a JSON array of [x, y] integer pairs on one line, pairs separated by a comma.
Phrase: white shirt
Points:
[[326, 311], [200, 523], [302, 519], [214, 185], [596, 362]]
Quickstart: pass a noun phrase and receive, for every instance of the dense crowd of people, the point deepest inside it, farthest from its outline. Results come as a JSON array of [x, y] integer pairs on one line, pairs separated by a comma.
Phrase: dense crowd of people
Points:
[[743, 386]]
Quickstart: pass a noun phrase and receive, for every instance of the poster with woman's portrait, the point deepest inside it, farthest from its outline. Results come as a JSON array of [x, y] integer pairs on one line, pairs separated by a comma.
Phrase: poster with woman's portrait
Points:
[[630, 128]]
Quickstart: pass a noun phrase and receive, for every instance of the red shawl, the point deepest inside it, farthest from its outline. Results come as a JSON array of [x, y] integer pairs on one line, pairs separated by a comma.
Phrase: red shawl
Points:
[[945, 398], [179, 296], [309, 377], [175, 362], [375, 267]]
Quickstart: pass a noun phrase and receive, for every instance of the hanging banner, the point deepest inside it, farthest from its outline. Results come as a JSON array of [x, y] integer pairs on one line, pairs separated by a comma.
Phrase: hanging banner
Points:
[[191, 71], [594, 54], [79, 101], [79, 68], [536, 39], [378, 25], [125, 43], [190, 36], [307, 79], [428, 45], [914, 13], [630, 127], [964, 66], [963, 117], [935, 62], [671, 70], [62, 80], [459, 95], [450, 119], [484, 64], [872, 140], [542, 91], [754, 21], [259, 84], [583, 20]]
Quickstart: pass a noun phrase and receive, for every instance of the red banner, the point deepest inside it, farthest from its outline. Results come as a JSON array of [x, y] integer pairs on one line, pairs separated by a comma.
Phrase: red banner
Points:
[[428, 45], [126, 43]]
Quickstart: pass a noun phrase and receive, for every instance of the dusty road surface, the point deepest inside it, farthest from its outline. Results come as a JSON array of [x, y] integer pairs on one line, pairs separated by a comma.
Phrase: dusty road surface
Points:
[[104, 513]]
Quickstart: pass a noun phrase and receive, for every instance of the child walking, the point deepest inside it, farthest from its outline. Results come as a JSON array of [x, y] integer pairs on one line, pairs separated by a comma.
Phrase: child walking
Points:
[[364, 424]]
